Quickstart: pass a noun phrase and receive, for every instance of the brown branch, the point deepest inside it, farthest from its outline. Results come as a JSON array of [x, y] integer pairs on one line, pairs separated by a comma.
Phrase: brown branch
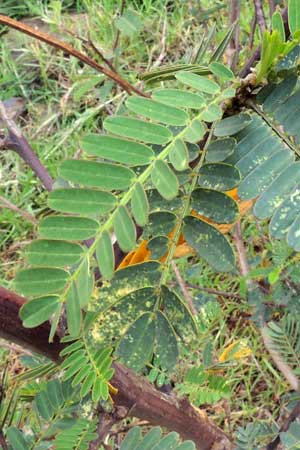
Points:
[[235, 41], [67, 48], [17, 142], [99, 53], [272, 8], [252, 33], [260, 16], [4, 203], [135, 393]]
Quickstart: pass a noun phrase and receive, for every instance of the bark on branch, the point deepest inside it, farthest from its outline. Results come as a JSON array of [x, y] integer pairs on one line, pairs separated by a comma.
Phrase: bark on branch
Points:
[[140, 398]]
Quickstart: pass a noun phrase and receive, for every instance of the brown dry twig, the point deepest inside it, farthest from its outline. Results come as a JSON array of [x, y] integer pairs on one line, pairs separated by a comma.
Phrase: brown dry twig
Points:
[[260, 16], [17, 142], [4, 203], [184, 289]]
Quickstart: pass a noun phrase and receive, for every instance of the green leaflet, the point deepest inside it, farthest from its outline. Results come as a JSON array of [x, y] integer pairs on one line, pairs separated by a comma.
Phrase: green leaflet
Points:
[[232, 125], [43, 405], [178, 155], [290, 438], [150, 440], [118, 150], [271, 48], [105, 256], [129, 23], [124, 229], [159, 112], [153, 441], [40, 281], [78, 436], [221, 71], [181, 99], [73, 310], [140, 205], [84, 283], [43, 252], [212, 113], [285, 214], [137, 129], [277, 24], [55, 393], [221, 177], [209, 243], [294, 16], [164, 180], [178, 313], [195, 131], [81, 201], [219, 51], [132, 438], [198, 82], [293, 235], [220, 149], [16, 439], [279, 93], [161, 223], [136, 347], [166, 343], [37, 311], [102, 175], [169, 442], [258, 180], [67, 227], [158, 246], [168, 72], [277, 191], [214, 205]]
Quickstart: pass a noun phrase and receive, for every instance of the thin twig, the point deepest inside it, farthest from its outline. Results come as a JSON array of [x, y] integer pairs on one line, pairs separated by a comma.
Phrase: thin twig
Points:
[[183, 288], [211, 291], [253, 28], [235, 41], [67, 48], [294, 414], [272, 8], [105, 423], [242, 256], [17, 142], [116, 43], [260, 16], [2, 441], [99, 53], [7, 204]]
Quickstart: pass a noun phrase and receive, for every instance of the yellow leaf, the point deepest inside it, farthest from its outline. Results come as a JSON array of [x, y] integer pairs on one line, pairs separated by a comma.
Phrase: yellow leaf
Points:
[[236, 350]]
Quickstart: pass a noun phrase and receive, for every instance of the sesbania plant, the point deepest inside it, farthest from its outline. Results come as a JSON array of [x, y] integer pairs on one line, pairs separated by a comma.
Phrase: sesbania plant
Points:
[[146, 151], [168, 175]]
